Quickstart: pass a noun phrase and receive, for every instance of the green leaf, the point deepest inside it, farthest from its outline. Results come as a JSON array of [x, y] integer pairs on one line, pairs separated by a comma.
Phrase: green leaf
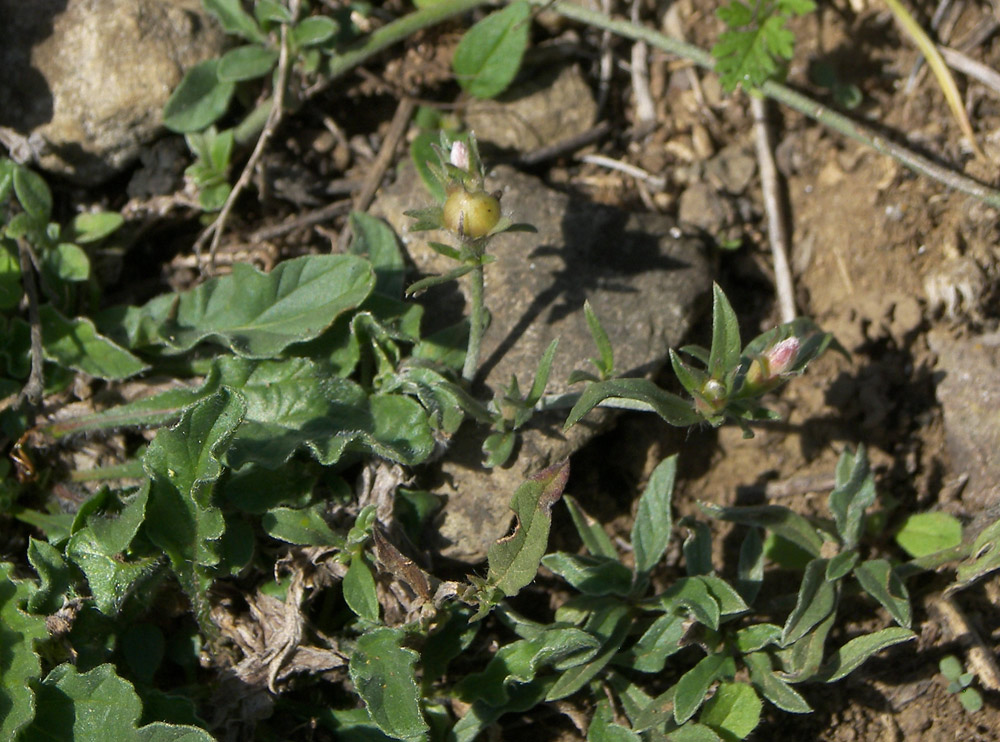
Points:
[[7, 167], [611, 625], [758, 636], [854, 493], [734, 711], [200, 100], [302, 526], [692, 732], [235, 20], [750, 568], [691, 378], [382, 671], [75, 343], [605, 362], [183, 464], [603, 728], [19, 663], [773, 688], [254, 489], [816, 600], [671, 408], [651, 528], [926, 533], [697, 547], [93, 226], [254, 314], [314, 30], [54, 575], [983, 558], [841, 565], [694, 684], [10, 276], [98, 548], [514, 559], [359, 590], [246, 63], [591, 532], [68, 262], [498, 447], [592, 575], [853, 654], [692, 593], [33, 194], [541, 379], [775, 518], [97, 705], [729, 600], [375, 240], [425, 283], [489, 55], [659, 641], [724, 357], [802, 660], [880, 580]]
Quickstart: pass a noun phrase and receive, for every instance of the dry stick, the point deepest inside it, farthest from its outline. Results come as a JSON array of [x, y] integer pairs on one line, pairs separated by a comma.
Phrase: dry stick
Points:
[[645, 111], [774, 205], [976, 70], [785, 95], [216, 228], [35, 386], [317, 216], [981, 659], [397, 128]]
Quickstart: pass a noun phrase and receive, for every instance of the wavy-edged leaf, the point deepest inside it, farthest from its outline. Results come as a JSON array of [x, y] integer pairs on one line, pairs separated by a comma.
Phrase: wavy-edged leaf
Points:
[[254, 314], [97, 705], [514, 559], [19, 662], [489, 55], [671, 408], [75, 343], [853, 654], [183, 464], [653, 519], [383, 673], [54, 574]]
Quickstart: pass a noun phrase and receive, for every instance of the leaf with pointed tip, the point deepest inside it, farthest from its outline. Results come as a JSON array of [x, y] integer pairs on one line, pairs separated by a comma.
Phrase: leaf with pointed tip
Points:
[[854, 493], [254, 314], [303, 526], [853, 654], [694, 684], [592, 575], [610, 625], [604, 729], [671, 408], [779, 520], [75, 343], [816, 600], [734, 710], [514, 559], [880, 580], [488, 57], [653, 520], [691, 593], [605, 361], [199, 100], [659, 641], [724, 355], [773, 688], [591, 532], [359, 590]]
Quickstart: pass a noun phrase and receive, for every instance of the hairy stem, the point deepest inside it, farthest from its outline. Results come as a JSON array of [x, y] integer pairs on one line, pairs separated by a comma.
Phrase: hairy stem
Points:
[[791, 98], [477, 322]]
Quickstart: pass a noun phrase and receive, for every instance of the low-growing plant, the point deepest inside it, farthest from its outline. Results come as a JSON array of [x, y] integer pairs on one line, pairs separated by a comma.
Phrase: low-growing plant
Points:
[[960, 683]]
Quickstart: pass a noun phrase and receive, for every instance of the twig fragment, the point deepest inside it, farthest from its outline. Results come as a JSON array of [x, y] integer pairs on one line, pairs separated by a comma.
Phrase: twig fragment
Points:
[[774, 205], [656, 181]]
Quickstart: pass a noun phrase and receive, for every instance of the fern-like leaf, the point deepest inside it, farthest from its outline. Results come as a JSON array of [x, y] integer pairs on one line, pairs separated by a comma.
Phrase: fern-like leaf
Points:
[[756, 42]]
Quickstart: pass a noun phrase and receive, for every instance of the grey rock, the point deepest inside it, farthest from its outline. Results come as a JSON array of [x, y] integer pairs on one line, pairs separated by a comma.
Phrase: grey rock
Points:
[[969, 393], [702, 207], [554, 105], [84, 81], [646, 282], [732, 169]]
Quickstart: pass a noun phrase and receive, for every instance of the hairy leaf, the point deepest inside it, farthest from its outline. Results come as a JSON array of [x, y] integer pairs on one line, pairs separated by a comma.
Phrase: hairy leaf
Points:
[[199, 100], [775, 518], [816, 600], [880, 580], [651, 529], [671, 408], [854, 493], [382, 671], [734, 710], [772, 687], [591, 532], [610, 625], [853, 654], [19, 663], [359, 590], [592, 575], [489, 55], [694, 684]]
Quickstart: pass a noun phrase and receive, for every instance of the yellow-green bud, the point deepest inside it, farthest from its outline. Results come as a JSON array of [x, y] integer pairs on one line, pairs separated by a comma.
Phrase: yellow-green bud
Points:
[[471, 214]]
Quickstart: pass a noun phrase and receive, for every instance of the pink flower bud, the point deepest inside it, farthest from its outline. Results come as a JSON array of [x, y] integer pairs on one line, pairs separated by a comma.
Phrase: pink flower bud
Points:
[[781, 357], [459, 156]]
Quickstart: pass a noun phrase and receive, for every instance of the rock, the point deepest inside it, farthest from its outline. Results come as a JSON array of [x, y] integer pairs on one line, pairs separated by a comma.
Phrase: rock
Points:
[[732, 169], [644, 279], [554, 105], [85, 80], [702, 207], [969, 392]]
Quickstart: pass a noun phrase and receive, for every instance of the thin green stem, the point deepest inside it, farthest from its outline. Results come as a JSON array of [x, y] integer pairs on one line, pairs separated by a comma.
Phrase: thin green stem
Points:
[[785, 95], [477, 322]]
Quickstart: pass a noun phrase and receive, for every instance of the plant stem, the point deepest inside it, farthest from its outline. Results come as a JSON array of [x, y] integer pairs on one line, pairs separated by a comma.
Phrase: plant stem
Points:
[[477, 322], [785, 95]]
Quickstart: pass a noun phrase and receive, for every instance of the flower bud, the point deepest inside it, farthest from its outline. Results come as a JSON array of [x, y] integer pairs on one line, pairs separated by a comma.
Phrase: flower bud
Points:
[[471, 214], [459, 155], [767, 370]]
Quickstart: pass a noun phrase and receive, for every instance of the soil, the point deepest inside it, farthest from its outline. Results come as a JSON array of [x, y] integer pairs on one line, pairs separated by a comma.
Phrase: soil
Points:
[[880, 257]]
